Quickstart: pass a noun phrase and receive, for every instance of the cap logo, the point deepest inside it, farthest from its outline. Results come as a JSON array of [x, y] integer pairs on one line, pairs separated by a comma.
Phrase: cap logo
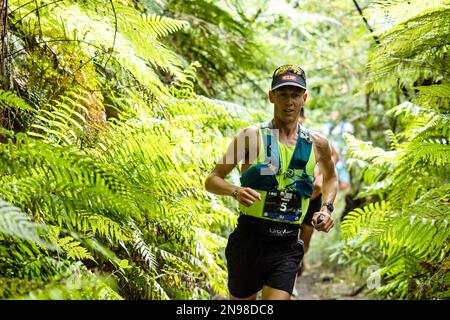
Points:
[[288, 77]]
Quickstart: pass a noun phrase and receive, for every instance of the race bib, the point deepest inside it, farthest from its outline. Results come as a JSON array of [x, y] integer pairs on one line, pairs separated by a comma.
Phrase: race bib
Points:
[[282, 205]]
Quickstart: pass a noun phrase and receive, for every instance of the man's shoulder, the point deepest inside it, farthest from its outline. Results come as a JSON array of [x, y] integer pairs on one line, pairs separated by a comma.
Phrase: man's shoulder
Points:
[[249, 131]]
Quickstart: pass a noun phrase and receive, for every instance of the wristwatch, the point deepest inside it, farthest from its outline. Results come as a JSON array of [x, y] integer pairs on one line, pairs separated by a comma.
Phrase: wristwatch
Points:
[[235, 192], [329, 206]]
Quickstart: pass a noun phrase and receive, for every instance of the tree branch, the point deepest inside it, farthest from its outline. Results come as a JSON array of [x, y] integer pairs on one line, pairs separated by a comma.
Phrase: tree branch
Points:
[[365, 21], [115, 33]]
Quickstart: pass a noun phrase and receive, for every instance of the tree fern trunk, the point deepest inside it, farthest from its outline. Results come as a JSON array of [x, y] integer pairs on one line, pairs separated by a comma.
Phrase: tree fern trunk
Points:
[[369, 133], [4, 76]]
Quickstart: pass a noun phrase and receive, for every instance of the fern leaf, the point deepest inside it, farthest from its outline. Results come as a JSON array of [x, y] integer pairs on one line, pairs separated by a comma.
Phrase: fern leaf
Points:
[[15, 223], [10, 100]]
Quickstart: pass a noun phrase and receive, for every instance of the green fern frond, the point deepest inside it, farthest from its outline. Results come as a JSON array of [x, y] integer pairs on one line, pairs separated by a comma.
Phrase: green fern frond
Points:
[[184, 88], [411, 179], [10, 100], [104, 226], [362, 150], [363, 222], [133, 199], [436, 96], [413, 111], [437, 129], [10, 287], [411, 234], [15, 223], [374, 162], [163, 26], [145, 251], [72, 249], [427, 154], [128, 42], [71, 286], [396, 59], [62, 122], [422, 123], [161, 294], [433, 204], [392, 139], [102, 251]]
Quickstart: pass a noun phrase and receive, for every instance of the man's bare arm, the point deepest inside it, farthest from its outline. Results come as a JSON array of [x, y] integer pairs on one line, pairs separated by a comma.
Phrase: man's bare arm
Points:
[[329, 181], [318, 175], [237, 151], [334, 154]]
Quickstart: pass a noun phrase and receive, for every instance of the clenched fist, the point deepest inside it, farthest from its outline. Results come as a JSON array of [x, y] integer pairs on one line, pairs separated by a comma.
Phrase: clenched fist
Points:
[[322, 220], [247, 196]]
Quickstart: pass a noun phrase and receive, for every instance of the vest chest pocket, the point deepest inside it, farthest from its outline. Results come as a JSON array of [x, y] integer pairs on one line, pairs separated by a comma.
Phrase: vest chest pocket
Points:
[[282, 205], [255, 177]]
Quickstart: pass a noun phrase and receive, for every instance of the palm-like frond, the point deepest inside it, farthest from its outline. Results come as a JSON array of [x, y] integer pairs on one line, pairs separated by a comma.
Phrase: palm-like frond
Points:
[[409, 229], [16, 224], [395, 58], [10, 100], [367, 221], [112, 165]]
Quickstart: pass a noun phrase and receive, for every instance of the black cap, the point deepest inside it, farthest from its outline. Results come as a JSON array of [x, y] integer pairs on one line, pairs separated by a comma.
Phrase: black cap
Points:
[[288, 75]]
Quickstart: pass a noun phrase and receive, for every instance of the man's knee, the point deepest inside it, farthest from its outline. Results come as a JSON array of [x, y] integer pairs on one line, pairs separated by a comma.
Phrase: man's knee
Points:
[[270, 293], [252, 297]]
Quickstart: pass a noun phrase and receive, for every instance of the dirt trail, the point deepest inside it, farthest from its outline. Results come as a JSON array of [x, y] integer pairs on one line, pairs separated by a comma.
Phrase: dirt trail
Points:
[[320, 283]]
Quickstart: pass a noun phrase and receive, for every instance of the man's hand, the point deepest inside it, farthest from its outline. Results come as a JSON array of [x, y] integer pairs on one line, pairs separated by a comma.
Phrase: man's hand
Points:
[[247, 196], [326, 221]]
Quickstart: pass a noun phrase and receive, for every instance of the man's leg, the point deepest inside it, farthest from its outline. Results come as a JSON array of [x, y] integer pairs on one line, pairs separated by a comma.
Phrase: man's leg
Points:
[[252, 297], [305, 235], [307, 229], [243, 254], [269, 293], [282, 264]]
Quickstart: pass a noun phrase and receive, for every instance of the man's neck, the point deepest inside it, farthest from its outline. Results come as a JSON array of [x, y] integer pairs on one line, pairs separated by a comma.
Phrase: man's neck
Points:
[[286, 129]]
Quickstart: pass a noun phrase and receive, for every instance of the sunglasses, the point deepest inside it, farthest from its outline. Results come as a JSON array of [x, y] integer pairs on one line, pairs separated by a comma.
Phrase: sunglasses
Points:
[[289, 67]]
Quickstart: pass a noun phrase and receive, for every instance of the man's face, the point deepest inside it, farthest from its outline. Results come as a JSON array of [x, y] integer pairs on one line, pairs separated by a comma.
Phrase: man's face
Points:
[[288, 102]]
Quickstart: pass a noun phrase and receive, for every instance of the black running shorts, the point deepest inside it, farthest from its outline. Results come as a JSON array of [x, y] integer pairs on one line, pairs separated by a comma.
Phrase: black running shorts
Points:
[[255, 259]]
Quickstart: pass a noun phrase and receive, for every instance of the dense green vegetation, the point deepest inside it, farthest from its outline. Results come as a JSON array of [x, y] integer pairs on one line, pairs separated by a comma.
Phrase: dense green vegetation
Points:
[[112, 113]]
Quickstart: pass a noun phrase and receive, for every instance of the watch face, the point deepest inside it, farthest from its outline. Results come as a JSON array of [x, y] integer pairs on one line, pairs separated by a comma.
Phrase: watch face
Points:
[[330, 206]]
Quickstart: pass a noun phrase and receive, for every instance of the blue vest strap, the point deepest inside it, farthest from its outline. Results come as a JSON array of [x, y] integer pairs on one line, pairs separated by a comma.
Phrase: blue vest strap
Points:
[[271, 153], [302, 150]]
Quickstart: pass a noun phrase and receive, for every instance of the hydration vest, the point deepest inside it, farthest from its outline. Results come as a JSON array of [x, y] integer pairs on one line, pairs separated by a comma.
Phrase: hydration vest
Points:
[[285, 192]]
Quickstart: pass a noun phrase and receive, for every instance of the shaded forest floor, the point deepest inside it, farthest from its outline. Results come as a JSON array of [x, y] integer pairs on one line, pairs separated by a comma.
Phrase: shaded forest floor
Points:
[[323, 279], [319, 282]]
